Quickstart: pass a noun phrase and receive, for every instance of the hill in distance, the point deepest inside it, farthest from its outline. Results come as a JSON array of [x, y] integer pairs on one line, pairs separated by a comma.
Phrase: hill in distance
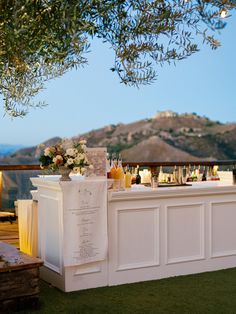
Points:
[[167, 136]]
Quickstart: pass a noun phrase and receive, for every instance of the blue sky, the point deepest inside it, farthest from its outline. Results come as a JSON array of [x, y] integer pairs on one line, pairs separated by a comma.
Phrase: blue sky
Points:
[[92, 97]]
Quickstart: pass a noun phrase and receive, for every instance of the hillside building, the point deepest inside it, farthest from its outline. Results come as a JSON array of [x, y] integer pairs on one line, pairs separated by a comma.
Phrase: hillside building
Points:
[[165, 114]]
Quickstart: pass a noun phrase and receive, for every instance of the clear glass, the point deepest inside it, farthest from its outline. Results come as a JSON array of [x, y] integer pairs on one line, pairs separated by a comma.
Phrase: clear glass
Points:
[[154, 182]]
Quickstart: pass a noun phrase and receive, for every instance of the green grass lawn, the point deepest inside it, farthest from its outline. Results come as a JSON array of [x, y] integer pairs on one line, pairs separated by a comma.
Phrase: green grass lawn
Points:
[[213, 292]]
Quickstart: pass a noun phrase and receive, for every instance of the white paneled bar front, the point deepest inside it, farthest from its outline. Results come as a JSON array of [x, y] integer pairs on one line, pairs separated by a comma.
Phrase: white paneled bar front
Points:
[[152, 233], [164, 232]]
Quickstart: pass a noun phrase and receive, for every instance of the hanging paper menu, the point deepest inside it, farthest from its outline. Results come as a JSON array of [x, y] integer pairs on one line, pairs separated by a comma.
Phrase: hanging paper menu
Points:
[[85, 224]]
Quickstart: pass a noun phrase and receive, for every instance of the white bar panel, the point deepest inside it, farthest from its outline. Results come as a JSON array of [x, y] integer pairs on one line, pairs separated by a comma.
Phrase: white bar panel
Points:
[[223, 228], [51, 245], [138, 238], [185, 232]]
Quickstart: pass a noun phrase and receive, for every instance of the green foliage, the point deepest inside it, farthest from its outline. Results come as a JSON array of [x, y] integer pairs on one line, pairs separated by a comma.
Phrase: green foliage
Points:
[[109, 133], [45, 160], [41, 40], [210, 123]]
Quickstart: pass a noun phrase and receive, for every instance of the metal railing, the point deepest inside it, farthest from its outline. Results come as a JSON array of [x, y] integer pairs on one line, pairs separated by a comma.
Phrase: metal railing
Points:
[[181, 163]]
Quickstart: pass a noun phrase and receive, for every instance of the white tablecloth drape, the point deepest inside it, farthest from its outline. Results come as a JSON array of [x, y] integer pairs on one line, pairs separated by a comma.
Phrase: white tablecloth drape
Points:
[[28, 226]]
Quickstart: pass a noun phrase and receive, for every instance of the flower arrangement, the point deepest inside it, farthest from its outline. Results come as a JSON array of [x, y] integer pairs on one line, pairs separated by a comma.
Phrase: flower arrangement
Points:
[[60, 155]]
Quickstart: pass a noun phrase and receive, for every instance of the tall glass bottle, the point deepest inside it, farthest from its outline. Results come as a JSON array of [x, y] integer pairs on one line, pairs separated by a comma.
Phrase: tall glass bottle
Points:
[[189, 173], [120, 173], [138, 177], [108, 166], [128, 178], [184, 175], [175, 174], [113, 168], [133, 175], [160, 177], [204, 175]]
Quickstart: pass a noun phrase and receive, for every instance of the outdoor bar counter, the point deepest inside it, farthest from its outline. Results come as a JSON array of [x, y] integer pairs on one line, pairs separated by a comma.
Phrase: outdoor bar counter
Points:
[[151, 233]]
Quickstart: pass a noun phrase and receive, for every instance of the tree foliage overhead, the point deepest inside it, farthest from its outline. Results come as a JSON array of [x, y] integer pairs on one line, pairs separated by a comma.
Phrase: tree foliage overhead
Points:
[[42, 39]]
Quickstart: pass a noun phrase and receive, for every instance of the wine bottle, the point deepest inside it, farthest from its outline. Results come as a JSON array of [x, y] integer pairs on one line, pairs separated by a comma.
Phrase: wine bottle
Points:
[[138, 177], [204, 177]]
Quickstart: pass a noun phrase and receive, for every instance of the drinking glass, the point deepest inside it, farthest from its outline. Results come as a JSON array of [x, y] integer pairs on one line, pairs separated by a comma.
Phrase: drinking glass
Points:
[[154, 182]]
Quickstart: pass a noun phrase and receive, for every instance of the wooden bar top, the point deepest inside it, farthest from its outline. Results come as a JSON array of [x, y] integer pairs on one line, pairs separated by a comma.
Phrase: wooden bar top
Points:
[[12, 259]]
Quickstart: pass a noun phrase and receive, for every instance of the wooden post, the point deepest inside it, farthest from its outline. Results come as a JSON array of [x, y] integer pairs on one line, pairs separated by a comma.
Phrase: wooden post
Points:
[[0, 190]]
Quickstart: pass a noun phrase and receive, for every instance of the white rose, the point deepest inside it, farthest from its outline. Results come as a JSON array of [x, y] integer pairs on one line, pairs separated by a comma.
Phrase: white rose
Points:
[[77, 161], [47, 151], [76, 169], [79, 158], [70, 161], [82, 170], [71, 152], [82, 142]]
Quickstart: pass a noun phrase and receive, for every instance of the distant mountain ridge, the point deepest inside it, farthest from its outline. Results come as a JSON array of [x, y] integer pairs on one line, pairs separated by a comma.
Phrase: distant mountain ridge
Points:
[[8, 149], [167, 136]]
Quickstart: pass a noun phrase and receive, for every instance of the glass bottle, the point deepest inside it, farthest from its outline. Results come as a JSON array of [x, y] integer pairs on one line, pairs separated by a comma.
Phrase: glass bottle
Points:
[[209, 173], [184, 175], [234, 174], [113, 168], [175, 175], [120, 173], [138, 177], [108, 166], [189, 174], [128, 178], [160, 177], [204, 176], [133, 175], [198, 173], [194, 174]]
